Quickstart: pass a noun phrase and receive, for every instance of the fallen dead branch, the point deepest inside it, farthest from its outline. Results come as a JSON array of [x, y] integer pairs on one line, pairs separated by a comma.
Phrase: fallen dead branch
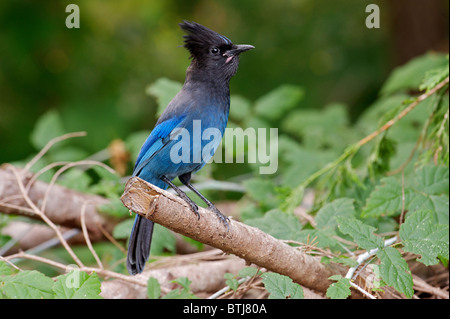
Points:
[[206, 276], [242, 240]]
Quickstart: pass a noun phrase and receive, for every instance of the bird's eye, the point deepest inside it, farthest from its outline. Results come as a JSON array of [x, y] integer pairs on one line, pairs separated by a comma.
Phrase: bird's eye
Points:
[[214, 50]]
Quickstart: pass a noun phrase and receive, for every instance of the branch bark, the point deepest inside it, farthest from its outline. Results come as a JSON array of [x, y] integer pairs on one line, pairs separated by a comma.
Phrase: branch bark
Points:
[[63, 209], [206, 276], [242, 240]]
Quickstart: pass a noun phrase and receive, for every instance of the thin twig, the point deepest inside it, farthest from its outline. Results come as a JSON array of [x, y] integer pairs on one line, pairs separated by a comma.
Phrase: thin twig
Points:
[[111, 238], [86, 234], [49, 145], [66, 167], [365, 293]]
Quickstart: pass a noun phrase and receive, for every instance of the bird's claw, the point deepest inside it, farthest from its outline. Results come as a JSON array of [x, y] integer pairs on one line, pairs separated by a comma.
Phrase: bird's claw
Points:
[[224, 219], [194, 208]]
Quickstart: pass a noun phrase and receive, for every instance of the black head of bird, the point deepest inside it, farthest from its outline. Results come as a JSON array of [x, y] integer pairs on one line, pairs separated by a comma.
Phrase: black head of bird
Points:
[[212, 53]]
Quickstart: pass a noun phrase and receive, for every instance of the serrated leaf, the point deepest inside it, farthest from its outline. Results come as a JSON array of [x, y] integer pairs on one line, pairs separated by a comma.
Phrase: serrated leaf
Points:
[[386, 199], [434, 77], [77, 285], [410, 75], [421, 235], [5, 269], [394, 271], [433, 180], [183, 282], [326, 216], [339, 289], [231, 281], [153, 288], [281, 287], [360, 232], [438, 204], [278, 224], [277, 102], [47, 127], [183, 293], [27, 285]]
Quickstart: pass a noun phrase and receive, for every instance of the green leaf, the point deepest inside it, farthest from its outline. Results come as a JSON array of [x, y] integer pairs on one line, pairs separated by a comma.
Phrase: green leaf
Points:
[[278, 224], [75, 179], [248, 272], [164, 90], [77, 285], [434, 77], [433, 180], [180, 294], [47, 127], [347, 261], [27, 285], [410, 75], [183, 282], [281, 287], [386, 199], [394, 271], [326, 216], [261, 190], [361, 233], [420, 234], [153, 288], [438, 204], [239, 107], [277, 102], [327, 128], [339, 289], [5, 269], [123, 229], [231, 281], [183, 293], [163, 239]]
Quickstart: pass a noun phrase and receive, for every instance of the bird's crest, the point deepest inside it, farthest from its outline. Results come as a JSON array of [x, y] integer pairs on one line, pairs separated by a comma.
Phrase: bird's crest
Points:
[[199, 37]]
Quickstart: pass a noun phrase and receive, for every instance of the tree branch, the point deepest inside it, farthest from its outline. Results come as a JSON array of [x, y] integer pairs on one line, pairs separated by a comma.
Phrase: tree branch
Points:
[[64, 208], [242, 240]]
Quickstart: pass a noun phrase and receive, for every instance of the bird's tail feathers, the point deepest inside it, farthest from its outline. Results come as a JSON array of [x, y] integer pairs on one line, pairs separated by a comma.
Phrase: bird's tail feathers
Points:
[[139, 245]]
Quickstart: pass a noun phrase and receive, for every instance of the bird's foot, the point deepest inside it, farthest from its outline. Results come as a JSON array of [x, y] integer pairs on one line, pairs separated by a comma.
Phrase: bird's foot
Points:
[[224, 219], [191, 204]]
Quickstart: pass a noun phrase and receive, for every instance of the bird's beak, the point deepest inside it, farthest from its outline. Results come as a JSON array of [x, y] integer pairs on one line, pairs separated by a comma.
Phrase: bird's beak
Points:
[[242, 48], [236, 50]]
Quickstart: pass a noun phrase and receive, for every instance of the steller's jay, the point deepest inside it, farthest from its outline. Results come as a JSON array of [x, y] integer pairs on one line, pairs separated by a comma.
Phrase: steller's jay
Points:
[[205, 97]]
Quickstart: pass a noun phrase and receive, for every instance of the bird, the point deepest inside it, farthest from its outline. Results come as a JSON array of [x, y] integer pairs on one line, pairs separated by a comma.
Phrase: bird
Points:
[[204, 97]]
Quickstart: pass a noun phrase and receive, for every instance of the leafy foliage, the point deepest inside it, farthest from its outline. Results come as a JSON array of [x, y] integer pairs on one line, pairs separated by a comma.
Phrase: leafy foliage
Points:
[[32, 284], [281, 287], [339, 289]]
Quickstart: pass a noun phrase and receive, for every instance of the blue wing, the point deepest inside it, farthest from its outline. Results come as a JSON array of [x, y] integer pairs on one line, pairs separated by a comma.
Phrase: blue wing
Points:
[[155, 142]]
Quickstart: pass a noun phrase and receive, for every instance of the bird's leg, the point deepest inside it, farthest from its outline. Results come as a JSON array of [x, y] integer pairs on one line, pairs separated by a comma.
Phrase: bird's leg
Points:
[[186, 180], [183, 195]]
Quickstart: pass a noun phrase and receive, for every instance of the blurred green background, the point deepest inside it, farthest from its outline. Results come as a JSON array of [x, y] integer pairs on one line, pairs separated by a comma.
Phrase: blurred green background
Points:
[[95, 77]]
